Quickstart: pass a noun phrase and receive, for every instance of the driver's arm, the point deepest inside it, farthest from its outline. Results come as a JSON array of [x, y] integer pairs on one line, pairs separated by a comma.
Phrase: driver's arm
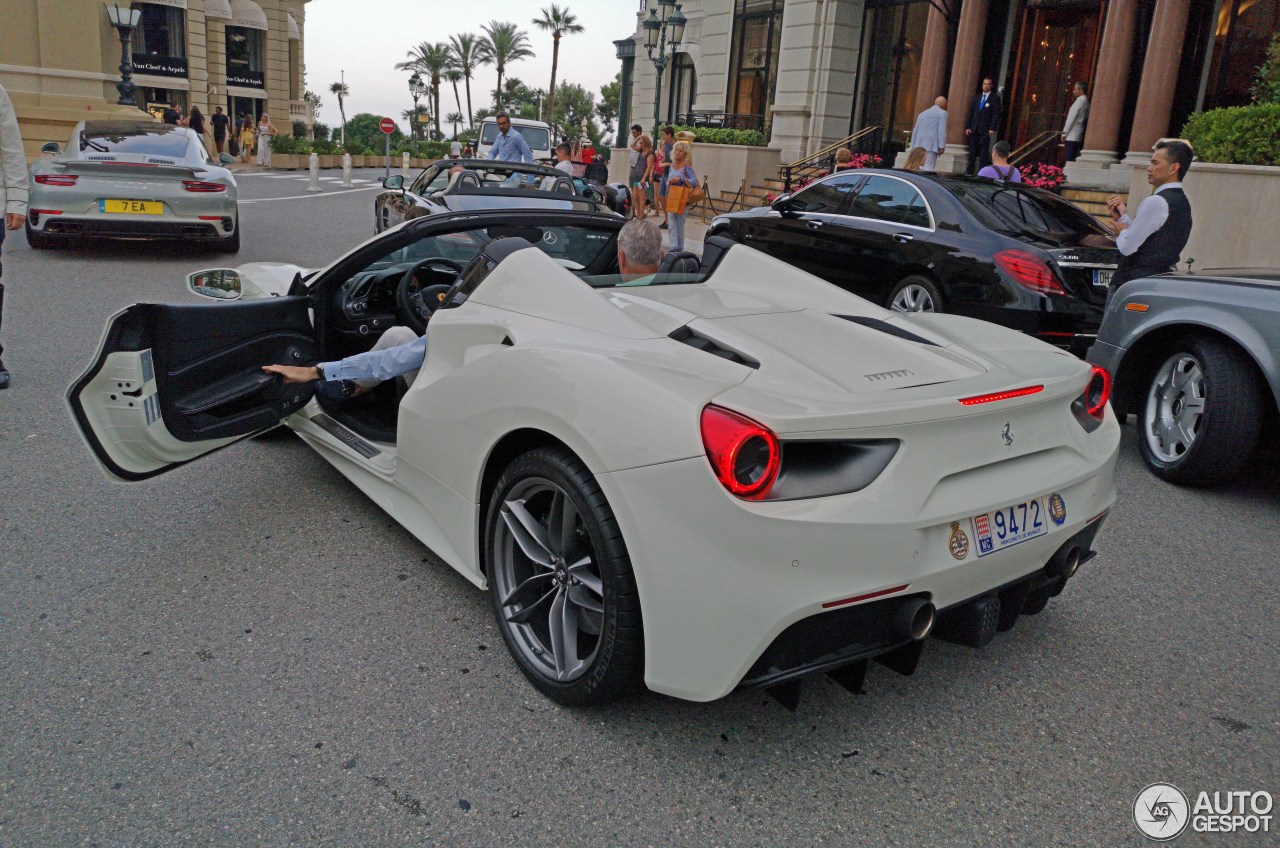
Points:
[[372, 365]]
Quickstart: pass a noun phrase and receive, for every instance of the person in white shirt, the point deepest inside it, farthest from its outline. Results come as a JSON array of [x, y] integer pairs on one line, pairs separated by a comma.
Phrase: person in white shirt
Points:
[[1152, 240], [1073, 131], [455, 149], [13, 189], [564, 159], [930, 132]]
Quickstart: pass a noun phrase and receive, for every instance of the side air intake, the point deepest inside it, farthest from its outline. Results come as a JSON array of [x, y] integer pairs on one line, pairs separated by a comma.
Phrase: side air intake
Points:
[[693, 339]]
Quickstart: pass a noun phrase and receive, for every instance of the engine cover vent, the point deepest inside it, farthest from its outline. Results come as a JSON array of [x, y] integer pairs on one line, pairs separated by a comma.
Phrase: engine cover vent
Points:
[[886, 327], [684, 335]]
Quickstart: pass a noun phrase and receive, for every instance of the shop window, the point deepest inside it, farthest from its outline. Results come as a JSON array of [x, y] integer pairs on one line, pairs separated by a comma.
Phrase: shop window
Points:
[[245, 57], [160, 41], [753, 73]]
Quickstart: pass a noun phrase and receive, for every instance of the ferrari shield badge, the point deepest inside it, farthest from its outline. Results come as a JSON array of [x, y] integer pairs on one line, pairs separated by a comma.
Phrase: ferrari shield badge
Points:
[[1057, 509], [959, 542]]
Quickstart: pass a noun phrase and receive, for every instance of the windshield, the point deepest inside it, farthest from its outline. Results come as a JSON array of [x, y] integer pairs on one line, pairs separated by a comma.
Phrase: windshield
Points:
[[166, 143], [576, 248], [1019, 211], [481, 176], [536, 137]]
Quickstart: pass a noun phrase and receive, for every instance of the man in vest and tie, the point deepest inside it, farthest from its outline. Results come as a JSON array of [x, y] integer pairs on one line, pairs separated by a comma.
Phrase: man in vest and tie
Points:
[[1151, 241]]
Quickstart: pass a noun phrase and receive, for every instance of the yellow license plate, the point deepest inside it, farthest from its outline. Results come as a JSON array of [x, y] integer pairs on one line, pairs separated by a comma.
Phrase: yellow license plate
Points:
[[131, 207]]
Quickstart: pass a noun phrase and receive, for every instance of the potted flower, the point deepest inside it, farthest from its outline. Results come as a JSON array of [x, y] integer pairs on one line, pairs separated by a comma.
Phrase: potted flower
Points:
[[1042, 175]]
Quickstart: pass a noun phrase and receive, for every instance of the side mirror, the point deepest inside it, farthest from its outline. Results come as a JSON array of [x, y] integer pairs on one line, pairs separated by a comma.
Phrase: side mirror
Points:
[[51, 147], [226, 159], [395, 182], [216, 283], [782, 203]]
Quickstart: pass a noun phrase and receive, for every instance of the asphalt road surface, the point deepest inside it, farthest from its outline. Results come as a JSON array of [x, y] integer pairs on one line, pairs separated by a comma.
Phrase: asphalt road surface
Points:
[[248, 652]]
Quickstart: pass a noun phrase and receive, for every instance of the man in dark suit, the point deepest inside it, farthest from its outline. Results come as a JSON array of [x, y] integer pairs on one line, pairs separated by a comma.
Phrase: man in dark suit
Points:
[[984, 122]]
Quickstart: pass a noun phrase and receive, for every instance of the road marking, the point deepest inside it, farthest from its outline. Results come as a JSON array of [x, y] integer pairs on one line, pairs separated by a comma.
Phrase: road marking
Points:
[[309, 196]]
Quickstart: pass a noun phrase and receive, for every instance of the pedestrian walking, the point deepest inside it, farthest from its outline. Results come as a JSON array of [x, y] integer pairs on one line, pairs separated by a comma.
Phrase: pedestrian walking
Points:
[[266, 131], [984, 121], [13, 192], [642, 176], [171, 116], [455, 149], [220, 123], [930, 132], [664, 168], [196, 123], [246, 138], [1152, 240], [510, 145], [1077, 116], [915, 159], [681, 176], [1000, 170]]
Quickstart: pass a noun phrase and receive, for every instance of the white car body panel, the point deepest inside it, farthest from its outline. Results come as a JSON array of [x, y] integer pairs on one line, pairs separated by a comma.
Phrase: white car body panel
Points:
[[719, 578]]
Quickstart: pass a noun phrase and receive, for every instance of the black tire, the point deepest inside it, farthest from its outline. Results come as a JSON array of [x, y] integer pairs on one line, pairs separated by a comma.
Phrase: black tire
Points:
[[614, 663], [1214, 444], [39, 240], [914, 290]]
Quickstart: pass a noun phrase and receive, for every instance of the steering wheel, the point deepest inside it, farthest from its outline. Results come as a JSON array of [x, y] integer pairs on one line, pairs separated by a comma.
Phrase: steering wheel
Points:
[[416, 303]]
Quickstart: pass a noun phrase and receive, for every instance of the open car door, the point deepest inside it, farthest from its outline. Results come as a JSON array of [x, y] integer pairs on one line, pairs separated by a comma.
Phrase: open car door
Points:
[[172, 382]]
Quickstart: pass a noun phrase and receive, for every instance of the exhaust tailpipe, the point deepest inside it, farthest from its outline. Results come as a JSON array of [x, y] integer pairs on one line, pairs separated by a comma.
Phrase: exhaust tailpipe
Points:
[[1064, 563], [914, 619]]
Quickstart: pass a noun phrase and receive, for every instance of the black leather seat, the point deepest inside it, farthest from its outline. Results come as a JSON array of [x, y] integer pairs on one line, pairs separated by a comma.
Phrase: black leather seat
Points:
[[713, 250]]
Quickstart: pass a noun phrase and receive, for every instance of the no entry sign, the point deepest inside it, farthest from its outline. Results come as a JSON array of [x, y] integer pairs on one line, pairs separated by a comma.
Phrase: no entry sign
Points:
[[387, 125]]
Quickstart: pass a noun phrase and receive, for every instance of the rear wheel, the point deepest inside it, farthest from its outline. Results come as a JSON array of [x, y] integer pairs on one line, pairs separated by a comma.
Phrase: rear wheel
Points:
[[915, 294], [561, 581], [1202, 414]]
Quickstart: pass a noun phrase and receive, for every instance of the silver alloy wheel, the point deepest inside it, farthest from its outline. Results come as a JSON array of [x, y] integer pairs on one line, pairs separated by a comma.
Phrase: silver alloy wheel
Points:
[[1175, 407], [913, 298], [548, 579]]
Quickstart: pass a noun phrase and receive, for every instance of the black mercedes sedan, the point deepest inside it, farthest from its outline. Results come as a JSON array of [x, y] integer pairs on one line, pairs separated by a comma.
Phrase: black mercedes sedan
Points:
[[460, 185], [915, 242]]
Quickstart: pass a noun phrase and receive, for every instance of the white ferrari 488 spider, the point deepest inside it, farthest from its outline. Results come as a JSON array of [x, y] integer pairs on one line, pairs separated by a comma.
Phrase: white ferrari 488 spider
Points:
[[728, 474]]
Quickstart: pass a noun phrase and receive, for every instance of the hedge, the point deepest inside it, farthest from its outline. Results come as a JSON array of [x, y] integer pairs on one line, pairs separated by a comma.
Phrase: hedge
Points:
[[1240, 135], [711, 135]]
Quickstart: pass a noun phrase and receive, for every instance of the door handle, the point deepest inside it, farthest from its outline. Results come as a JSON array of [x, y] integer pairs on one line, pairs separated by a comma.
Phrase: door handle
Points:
[[902, 238], [813, 225]]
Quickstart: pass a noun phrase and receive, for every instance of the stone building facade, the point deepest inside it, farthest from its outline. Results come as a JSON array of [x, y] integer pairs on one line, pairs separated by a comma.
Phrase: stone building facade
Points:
[[59, 61], [811, 72]]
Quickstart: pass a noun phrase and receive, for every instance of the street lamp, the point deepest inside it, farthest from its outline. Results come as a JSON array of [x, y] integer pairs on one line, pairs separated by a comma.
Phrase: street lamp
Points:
[[125, 19], [665, 24], [416, 89]]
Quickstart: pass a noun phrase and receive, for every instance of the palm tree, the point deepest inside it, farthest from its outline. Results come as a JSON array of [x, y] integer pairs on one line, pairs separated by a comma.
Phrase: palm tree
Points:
[[504, 43], [454, 118], [467, 56], [454, 76], [433, 60], [341, 89], [558, 22]]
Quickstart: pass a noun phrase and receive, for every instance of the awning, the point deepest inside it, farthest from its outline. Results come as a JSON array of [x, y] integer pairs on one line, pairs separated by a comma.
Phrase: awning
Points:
[[177, 4], [220, 9], [247, 14], [295, 34]]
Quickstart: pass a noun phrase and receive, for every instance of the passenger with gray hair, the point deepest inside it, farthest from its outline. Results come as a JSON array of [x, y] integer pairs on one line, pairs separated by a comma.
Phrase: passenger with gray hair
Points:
[[639, 251]]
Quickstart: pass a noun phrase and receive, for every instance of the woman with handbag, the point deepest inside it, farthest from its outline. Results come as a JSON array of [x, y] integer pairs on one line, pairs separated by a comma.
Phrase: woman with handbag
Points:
[[682, 191]]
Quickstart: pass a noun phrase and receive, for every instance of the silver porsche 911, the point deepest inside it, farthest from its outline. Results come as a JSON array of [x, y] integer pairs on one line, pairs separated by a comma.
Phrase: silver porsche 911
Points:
[[132, 179]]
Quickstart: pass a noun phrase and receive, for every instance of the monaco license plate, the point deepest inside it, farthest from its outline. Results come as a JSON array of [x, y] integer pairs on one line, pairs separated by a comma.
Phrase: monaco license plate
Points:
[[1102, 277], [1010, 525], [131, 207]]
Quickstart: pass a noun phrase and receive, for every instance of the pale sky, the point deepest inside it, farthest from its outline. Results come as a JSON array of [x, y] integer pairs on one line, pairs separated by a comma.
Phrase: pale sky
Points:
[[366, 38]]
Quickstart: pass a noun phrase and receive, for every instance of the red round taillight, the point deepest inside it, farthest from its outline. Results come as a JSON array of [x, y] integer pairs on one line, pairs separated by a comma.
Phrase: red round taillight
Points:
[[744, 455], [1098, 392]]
